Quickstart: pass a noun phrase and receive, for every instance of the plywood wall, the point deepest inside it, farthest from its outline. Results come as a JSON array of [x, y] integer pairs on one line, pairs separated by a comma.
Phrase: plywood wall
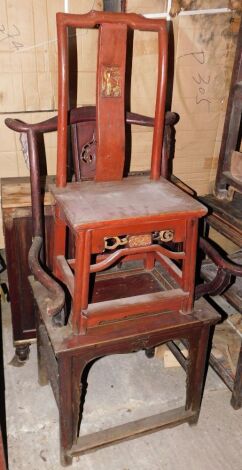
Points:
[[204, 50], [204, 57]]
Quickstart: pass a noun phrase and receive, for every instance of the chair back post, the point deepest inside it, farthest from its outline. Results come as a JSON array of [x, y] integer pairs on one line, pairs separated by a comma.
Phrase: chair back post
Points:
[[160, 105], [63, 85], [37, 215]]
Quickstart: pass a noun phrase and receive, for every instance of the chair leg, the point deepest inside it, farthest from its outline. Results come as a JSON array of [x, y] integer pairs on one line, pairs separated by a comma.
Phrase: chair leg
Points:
[[70, 391], [236, 400], [149, 261], [42, 369], [198, 346], [150, 353]]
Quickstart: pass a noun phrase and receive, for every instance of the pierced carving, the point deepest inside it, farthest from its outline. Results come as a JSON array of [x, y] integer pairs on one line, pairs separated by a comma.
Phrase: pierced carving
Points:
[[111, 82], [111, 243], [139, 240], [133, 241], [164, 235], [88, 151]]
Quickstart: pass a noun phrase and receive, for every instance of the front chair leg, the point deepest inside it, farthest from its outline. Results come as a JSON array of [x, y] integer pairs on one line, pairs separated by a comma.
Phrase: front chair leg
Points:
[[70, 393], [196, 369]]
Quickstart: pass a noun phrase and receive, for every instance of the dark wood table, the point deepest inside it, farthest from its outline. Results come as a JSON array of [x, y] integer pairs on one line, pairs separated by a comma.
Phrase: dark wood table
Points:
[[17, 224]]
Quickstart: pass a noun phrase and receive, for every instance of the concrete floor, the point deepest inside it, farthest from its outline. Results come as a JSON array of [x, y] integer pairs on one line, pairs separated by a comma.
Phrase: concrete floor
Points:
[[120, 388]]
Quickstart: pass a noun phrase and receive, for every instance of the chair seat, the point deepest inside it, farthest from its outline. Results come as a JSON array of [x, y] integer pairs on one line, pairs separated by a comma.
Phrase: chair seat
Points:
[[87, 204]]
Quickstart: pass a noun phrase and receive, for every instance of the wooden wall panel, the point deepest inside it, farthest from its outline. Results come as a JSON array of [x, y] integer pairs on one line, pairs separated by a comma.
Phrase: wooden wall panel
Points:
[[204, 50]]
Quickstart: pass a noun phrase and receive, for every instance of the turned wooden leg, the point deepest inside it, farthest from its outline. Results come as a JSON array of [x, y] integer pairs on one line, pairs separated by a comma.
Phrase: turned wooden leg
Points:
[[70, 393], [198, 346], [22, 352], [236, 400]]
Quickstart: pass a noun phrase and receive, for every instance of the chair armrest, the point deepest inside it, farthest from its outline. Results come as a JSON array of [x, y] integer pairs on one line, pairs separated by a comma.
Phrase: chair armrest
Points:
[[171, 119], [225, 269], [85, 114], [81, 114], [222, 263], [49, 125]]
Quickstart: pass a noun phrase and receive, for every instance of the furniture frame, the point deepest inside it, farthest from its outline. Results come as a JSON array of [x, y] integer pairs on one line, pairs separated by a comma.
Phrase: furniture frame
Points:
[[17, 210], [125, 322], [223, 274], [229, 172], [65, 371], [225, 217]]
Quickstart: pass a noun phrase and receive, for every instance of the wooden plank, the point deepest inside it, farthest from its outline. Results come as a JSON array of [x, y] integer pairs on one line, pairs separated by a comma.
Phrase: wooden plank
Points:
[[16, 193], [130, 430], [155, 302]]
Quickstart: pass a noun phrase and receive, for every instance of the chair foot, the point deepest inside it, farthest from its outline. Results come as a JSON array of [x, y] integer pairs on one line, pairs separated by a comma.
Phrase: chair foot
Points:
[[42, 378], [193, 420], [236, 402], [22, 352], [66, 460], [150, 353]]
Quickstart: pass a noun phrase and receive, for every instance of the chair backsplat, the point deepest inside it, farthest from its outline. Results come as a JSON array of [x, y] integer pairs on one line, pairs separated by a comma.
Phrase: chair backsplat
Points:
[[110, 129], [110, 102]]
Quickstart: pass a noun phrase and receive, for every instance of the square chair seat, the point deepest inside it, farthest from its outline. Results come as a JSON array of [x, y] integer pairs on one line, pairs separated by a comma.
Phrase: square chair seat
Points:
[[88, 204]]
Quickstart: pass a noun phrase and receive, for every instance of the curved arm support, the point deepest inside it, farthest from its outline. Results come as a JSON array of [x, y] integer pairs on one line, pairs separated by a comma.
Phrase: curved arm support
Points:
[[215, 256], [215, 287], [56, 299], [226, 269]]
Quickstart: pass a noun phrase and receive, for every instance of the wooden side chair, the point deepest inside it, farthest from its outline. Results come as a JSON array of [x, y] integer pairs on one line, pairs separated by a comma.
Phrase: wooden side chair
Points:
[[130, 279], [116, 212]]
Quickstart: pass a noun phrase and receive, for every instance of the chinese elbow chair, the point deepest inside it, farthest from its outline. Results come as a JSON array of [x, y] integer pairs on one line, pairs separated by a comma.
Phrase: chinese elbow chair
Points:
[[134, 239]]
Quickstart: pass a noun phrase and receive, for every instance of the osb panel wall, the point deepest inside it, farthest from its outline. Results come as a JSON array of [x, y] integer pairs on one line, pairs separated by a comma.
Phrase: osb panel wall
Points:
[[203, 64], [28, 52], [28, 64], [145, 7], [204, 54]]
